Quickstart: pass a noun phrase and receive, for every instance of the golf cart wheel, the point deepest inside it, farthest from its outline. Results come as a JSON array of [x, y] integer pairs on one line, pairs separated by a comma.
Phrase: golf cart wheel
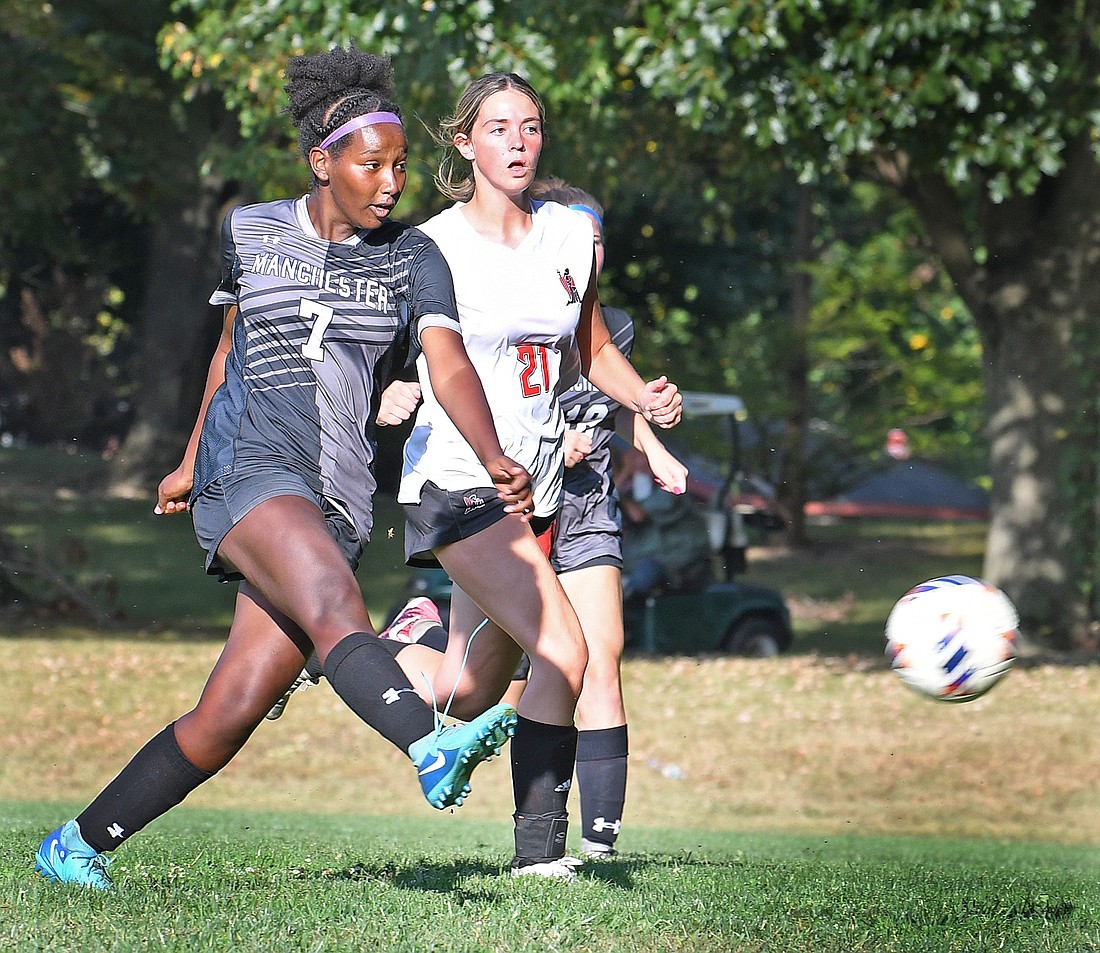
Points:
[[756, 637]]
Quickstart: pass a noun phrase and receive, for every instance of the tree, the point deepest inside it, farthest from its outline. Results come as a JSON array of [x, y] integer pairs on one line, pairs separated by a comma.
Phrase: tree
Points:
[[99, 255], [702, 226], [983, 117]]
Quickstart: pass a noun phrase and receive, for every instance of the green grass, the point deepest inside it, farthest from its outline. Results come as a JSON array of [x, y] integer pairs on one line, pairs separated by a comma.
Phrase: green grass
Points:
[[232, 880], [744, 847]]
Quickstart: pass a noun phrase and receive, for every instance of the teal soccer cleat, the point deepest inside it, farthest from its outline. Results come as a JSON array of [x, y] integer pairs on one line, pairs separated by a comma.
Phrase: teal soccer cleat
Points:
[[65, 857], [446, 759]]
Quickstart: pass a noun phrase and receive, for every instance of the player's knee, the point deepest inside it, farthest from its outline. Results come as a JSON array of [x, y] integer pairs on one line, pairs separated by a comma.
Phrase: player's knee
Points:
[[569, 656], [602, 674], [328, 620], [212, 740]]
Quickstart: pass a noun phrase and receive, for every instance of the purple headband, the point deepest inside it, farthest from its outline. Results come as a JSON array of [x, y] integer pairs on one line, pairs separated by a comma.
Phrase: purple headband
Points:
[[590, 211], [359, 122]]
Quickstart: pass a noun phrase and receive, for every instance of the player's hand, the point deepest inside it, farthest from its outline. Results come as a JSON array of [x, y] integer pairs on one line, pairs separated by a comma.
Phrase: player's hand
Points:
[[174, 490], [513, 484], [577, 446], [661, 403], [668, 472], [398, 403]]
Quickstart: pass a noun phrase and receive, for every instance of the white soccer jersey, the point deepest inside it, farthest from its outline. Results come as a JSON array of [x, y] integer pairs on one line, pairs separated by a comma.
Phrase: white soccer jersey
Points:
[[519, 309]]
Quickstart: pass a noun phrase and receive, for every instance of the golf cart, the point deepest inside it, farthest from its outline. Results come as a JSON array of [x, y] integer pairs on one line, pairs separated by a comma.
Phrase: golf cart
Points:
[[722, 616]]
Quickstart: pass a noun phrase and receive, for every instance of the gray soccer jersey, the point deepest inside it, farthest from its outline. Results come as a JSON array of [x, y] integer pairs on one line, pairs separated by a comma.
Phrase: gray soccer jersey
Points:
[[589, 523], [321, 326], [586, 407]]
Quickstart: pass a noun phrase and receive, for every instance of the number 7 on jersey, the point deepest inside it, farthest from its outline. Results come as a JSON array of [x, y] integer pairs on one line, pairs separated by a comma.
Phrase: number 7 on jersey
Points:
[[322, 316]]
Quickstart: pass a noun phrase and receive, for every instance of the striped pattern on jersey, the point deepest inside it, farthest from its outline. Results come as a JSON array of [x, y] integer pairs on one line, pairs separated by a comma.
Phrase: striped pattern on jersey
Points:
[[589, 409], [320, 325]]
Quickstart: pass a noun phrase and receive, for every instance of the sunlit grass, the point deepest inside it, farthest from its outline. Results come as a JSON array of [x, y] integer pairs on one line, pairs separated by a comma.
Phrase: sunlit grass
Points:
[[807, 802], [236, 880]]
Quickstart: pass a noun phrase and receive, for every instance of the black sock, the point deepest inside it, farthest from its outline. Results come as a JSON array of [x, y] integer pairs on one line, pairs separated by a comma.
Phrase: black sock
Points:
[[157, 778], [543, 757], [434, 638], [364, 674], [601, 775]]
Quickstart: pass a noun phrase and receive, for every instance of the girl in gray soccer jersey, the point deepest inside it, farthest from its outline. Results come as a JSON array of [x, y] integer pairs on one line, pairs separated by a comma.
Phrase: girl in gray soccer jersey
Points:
[[587, 556], [321, 294]]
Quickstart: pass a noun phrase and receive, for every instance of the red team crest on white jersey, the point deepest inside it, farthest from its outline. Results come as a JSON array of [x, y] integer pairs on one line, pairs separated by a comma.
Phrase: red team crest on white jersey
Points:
[[570, 286]]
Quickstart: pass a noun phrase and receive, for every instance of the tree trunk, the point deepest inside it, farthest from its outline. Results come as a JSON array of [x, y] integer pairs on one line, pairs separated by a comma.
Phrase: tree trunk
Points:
[[1039, 534], [178, 333], [1035, 300], [792, 482]]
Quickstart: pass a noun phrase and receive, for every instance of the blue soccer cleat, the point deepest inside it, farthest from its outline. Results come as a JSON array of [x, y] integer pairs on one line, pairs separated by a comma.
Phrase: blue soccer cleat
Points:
[[449, 756], [65, 857]]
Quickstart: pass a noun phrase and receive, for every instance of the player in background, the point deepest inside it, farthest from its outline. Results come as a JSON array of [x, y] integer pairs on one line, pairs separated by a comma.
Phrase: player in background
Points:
[[525, 282], [587, 556], [321, 294]]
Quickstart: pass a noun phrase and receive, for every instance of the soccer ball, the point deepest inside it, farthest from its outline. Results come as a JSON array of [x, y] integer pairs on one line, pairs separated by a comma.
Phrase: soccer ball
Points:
[[952, 638]]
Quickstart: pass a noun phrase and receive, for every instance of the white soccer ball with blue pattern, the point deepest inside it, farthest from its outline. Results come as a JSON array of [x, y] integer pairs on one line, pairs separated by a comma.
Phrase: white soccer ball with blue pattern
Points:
[[952, 638]]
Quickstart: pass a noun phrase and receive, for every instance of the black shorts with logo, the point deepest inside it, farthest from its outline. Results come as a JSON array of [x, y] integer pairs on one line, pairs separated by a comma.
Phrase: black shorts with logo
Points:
[[446, 516]]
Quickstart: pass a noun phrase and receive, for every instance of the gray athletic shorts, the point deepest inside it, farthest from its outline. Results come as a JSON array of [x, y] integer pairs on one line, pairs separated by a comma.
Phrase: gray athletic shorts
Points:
[[446, 516], [589, 531], [226, 501]]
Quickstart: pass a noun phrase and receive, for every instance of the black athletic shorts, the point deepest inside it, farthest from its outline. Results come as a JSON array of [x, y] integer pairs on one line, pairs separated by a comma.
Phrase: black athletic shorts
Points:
[[446, 516], [226, 501]]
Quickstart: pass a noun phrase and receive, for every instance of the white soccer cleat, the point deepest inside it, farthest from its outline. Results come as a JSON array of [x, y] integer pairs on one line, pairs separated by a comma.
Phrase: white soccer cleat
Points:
[[418, 616], [595, 850], [560, 868], [304, 680]]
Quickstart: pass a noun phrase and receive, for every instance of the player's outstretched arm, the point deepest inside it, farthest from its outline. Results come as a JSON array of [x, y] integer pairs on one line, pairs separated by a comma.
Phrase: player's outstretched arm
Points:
[[670, 474], [606, 367]]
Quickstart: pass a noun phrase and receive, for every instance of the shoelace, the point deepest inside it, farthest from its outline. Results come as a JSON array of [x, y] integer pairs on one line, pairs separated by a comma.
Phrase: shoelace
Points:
[[439, 716], [98, 863]]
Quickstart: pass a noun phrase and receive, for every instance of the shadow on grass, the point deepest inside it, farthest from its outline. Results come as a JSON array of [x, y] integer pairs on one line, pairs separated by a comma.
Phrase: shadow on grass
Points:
[[453, 876]]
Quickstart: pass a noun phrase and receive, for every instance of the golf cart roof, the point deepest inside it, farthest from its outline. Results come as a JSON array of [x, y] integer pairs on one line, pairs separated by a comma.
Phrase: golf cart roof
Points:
[[699, 404]]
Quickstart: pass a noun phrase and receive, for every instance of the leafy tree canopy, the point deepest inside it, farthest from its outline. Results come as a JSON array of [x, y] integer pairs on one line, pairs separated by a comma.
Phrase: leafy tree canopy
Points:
[[699, 233], [977, 91]]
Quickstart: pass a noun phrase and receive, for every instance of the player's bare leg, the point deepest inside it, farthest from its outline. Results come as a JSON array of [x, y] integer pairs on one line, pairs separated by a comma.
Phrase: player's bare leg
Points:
[[502, 573], [596, 592]]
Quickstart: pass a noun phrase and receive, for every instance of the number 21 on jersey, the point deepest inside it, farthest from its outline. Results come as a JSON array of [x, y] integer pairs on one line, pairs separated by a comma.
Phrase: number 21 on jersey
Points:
[[534, 376]]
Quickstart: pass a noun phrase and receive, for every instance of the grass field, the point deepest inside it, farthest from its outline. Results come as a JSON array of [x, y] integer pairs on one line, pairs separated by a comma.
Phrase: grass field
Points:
[[804, 803], [247, 881]]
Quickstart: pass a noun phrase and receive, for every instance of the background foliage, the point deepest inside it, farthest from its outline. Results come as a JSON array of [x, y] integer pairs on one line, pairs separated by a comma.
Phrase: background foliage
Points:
[[699, 224], [937, 142]]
